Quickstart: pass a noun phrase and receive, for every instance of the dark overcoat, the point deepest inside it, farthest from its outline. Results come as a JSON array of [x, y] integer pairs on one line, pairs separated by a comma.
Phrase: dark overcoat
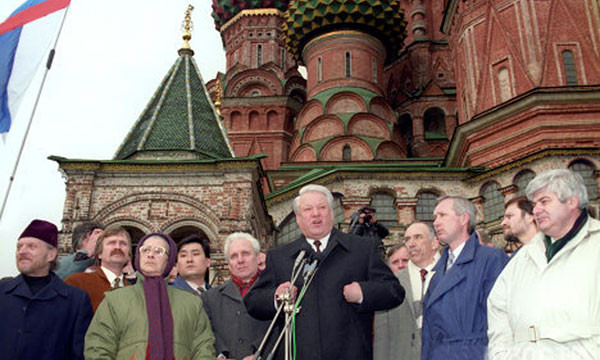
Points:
[[455, 306], [328, 327], [237, 334], [48, 325]]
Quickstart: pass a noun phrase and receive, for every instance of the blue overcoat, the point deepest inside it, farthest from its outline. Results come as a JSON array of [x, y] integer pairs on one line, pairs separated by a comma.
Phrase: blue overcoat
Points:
[[48, 325], [455, 306]]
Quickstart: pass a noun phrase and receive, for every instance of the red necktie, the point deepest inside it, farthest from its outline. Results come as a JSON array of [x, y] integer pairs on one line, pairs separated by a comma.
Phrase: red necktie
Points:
[[423, 275]]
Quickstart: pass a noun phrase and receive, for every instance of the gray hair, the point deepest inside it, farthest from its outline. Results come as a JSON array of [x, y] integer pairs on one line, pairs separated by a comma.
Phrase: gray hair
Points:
[[462, 205], [313, 188], [429, 227], [562, 182], [243, 236]]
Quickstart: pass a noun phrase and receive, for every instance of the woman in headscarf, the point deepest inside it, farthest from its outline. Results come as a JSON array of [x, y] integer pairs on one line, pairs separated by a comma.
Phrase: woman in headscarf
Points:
[[150, 320]]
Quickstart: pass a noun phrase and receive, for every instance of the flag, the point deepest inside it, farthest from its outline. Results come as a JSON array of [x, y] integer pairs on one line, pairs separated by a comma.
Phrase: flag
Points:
[[25, 38]]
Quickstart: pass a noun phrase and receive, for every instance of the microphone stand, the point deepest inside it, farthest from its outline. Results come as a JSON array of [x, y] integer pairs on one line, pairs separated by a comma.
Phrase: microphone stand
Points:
[[291, 310], [284, 304]]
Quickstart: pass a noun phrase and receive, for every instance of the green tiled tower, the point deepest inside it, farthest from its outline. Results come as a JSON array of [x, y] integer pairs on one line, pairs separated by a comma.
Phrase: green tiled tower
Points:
[[180, 121]]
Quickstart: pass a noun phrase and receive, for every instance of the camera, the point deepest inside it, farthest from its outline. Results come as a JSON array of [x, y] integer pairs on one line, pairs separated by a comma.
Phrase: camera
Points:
[[367, 218]]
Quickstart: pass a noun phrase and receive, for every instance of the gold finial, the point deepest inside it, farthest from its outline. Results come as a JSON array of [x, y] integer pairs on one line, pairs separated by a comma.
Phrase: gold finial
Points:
[[187, 26], [218, 94]]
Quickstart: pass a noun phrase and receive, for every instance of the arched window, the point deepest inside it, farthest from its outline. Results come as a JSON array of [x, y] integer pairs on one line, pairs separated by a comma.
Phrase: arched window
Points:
[[289, 230], [258, 55], [569, 67], [319, 69], [434, 122], [374, 70], [586, 169], [385, 209], [255, 93], [493, 201], [522, 179], [425, 205], [348, 64], [347, 153], [283, 59]]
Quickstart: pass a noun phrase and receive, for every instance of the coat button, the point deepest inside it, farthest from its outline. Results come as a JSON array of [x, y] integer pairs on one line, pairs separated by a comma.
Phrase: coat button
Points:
[[25, 308], [241, 341]]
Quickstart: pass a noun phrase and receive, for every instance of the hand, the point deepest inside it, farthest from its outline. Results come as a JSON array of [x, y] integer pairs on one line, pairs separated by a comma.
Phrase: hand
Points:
[[353, 293], [249, 357], [281, 289]]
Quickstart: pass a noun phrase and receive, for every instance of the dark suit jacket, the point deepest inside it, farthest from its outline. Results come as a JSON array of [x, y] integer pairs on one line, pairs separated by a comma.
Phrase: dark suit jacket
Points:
[[328, 327], [180, 283], [95, 284], [237, 334], [396, 334]]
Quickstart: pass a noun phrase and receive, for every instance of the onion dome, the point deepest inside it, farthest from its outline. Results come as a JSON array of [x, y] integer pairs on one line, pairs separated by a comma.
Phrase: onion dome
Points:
[[306, 19], [223, 10]]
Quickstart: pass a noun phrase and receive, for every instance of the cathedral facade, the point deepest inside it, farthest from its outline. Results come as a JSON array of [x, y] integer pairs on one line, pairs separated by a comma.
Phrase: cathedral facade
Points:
[[401, 101]]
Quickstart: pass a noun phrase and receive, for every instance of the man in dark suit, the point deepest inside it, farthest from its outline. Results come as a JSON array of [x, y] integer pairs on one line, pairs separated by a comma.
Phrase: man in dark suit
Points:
[[398, 331], [351, 283], [455, 306], [237, 334], [113, 251]]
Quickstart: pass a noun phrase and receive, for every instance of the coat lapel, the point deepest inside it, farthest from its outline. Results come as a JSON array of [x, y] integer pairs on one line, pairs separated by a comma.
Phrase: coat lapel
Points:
[[404, 279], [446, 280], [230, 290]]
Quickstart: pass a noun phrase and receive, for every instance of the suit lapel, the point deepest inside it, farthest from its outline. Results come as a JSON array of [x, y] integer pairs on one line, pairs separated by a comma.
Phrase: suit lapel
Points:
[[404, 278], [446, 280]]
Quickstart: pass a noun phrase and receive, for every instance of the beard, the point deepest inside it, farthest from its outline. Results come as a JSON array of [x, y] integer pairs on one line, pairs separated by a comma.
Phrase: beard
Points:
[[510, 237]]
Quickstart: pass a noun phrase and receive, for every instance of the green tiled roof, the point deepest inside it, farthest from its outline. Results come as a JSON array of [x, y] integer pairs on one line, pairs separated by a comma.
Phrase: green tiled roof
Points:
[[180, 117]]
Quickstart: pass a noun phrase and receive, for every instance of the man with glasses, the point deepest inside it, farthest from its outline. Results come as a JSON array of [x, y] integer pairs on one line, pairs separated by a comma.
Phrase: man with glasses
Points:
[[150, 320]]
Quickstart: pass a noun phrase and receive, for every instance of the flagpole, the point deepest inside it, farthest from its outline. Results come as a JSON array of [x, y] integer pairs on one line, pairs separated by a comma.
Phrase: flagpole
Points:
[[35, 105]]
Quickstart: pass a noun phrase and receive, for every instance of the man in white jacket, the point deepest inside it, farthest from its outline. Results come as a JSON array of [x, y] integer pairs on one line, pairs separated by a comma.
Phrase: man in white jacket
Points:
[[546, 302]]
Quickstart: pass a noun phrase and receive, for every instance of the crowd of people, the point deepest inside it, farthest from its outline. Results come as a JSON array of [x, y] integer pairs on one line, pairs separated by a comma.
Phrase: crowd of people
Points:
[[467, 301]]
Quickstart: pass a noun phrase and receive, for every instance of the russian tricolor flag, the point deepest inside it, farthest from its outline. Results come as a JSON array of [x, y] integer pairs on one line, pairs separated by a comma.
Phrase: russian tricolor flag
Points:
[[25, 38]]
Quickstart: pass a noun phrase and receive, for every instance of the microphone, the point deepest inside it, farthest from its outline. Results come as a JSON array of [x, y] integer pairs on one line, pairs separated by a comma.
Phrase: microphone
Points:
[[309, 268], [299, 258]]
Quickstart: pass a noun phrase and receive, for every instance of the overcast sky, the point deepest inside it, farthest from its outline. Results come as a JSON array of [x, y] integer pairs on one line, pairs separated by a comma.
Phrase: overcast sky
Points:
[[110, 59]]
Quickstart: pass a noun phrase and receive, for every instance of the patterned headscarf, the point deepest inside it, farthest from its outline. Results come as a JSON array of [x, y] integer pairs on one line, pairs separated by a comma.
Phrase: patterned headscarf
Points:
[[158, 308]]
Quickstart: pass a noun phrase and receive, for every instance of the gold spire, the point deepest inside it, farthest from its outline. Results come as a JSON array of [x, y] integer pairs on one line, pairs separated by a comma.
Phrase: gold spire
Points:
[[187, 26], [218, 95]]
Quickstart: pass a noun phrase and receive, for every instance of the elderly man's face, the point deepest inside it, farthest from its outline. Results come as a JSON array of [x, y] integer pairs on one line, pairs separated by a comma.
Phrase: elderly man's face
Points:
[[553, 216], [315, 216], [154, 256], [242, 260], [421, 244], [34, 256], [398, 260]]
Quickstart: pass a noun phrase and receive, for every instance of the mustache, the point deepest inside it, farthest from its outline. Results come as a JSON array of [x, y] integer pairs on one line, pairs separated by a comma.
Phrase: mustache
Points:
[[117, 252]]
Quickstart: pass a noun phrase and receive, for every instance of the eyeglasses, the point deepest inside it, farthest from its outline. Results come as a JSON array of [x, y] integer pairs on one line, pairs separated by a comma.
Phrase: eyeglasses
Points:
[[155, 250]]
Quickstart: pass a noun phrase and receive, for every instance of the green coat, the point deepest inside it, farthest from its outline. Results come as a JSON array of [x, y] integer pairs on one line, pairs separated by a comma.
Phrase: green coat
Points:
[[119, 329]]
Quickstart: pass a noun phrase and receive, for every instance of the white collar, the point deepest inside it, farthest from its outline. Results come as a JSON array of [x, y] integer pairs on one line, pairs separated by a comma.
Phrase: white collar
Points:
[[323, 241], [111, 276]]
